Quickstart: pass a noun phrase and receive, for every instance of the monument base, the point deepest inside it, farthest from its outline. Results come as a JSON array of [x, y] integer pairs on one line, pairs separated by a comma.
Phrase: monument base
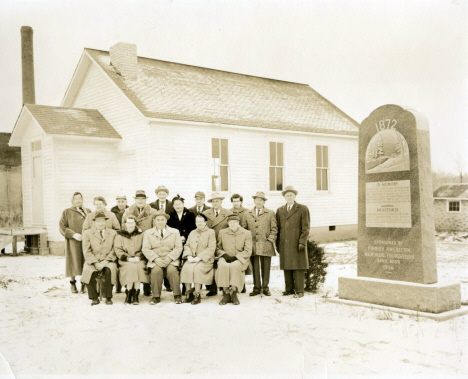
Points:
[[430, 298]]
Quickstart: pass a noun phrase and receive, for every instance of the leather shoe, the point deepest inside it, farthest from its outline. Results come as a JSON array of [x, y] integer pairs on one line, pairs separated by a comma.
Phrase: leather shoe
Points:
[[287, 293], [178, 299], [147, 289], [155, 300], [197, 299], [266, 292], [95, 302], [226, 298], [109, 301], [189, 296], [83, 288], [299, 295], [254, 293], [234, 298]]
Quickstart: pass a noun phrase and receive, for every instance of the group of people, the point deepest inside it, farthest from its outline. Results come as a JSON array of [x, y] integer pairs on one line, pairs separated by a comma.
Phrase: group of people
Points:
[[164, 242]]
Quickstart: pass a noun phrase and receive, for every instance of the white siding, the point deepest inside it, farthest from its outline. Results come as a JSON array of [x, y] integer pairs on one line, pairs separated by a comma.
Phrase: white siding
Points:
[[98, 92], [49, 185], [181, 160], [33, 133], [84, 166]]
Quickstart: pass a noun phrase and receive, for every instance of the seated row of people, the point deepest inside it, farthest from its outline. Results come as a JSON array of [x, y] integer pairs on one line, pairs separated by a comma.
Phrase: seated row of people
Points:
[[161, 261]]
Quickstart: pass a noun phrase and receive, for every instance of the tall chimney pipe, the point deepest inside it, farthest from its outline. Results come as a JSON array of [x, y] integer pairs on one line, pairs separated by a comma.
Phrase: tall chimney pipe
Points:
[[27, 63]]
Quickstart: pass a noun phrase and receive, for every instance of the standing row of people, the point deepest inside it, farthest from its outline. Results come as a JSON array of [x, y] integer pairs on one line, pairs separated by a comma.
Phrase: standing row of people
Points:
[[199, 246]]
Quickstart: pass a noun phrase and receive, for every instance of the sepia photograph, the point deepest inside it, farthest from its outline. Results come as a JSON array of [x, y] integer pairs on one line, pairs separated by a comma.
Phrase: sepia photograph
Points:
[[234, 189]]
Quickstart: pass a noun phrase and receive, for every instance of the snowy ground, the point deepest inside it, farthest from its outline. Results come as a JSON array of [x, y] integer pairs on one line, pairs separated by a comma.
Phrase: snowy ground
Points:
[[46, 330]]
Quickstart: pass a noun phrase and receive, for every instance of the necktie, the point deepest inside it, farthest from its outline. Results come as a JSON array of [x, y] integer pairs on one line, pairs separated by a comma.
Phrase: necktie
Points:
[[162, 235], [258, 212], [162, 207], [102, 234], [199, 210], [216, 213]]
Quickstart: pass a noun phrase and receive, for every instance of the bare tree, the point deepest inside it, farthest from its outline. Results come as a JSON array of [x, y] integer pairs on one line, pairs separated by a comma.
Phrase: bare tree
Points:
[[461, 165]]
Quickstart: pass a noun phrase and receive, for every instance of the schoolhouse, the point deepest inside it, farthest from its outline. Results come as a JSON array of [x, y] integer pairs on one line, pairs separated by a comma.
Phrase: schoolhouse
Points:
[[451, 207], [128, 123]]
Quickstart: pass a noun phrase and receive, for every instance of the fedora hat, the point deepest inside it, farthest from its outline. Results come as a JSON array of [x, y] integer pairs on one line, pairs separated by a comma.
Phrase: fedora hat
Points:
[[199, 194], [141, 194], [260, 194], [289, 189], [100, 215], [215, 195], [161, 188], [121, 197], [161, 213]]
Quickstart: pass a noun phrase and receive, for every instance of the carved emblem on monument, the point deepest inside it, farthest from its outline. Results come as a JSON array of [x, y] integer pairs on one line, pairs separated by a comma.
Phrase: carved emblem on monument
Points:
[[387, 151]]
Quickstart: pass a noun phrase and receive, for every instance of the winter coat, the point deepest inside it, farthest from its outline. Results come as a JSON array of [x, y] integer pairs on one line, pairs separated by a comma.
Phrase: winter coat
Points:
[[293, 229], [217, 223], [96, 250], [72, 222], [200, 243], [194, 209], [185, 225], [129, 246], [263, 229], [240, 212], [238, 244], [156, 247], [169, 207], [112, 222], [118, 213], [144, 220]]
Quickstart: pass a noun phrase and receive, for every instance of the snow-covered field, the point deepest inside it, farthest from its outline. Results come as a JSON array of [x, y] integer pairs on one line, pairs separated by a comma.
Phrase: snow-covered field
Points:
[[46, 330]]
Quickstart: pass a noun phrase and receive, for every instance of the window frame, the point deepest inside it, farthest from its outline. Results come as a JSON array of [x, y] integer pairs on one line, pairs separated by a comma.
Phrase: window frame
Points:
[[454, 201], [212, 164], [322, 168], [269, 165]]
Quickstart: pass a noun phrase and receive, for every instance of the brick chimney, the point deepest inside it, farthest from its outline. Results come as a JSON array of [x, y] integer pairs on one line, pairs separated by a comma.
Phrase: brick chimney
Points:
[[123, 57], [27, 64]]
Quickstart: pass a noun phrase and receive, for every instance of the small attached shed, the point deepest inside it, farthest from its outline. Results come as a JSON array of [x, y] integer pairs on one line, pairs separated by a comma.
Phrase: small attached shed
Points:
[[59, 147], [451, 207]]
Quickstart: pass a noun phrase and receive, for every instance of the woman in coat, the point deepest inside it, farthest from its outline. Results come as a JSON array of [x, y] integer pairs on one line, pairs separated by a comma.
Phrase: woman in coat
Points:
[[127, 247], [71, 226], [181, 218], [199, 252], [262, 224]]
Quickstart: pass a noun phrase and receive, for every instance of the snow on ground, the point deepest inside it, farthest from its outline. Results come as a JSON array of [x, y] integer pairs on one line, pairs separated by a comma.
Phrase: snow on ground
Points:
[[44, 329]]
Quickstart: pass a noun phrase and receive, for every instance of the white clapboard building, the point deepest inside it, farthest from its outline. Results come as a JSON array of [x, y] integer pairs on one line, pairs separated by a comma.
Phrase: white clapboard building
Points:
[[128, 123]]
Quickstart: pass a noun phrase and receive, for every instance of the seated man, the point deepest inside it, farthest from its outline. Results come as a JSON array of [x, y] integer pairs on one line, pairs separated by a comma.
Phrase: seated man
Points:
[[162, 247], [98, 248], [234, 249], [127, 247]]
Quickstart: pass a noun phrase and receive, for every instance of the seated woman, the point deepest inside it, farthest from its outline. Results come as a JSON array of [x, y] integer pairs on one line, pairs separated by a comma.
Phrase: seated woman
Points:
[[98, 249], [199, 252], [234, 249], [127, 246]]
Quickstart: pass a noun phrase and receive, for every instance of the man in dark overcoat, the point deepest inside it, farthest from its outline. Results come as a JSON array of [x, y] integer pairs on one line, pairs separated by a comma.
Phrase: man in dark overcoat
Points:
[[162, 203], [293, 221], [200, 205], [71, 226], [120, 208]]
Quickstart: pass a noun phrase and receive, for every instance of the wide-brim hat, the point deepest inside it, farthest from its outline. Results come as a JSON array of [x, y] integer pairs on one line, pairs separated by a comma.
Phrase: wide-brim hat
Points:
[[100, 215], [215, 195], [121, 197], [289, 189], [232, 217], [140, 194], [261, 195], [161, 188], [199, 194], [161, 213]]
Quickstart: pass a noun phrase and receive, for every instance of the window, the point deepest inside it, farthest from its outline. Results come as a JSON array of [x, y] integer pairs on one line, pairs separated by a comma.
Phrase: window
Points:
[[219, 153], [322, 168], [36, 146], [276, 166], [454, 206]]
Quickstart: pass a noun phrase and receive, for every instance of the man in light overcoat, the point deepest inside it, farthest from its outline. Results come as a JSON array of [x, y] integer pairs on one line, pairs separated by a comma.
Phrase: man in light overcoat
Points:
[[262, 224], [293, 221]]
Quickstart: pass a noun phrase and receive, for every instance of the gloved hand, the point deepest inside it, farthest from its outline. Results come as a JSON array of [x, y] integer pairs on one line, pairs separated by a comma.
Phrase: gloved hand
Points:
[[160, 262], [77, 236], [196, 259], [301, 247], [190, 259], [136, 259], [124, 257], [131, 259], [228, 258], [98, 266]]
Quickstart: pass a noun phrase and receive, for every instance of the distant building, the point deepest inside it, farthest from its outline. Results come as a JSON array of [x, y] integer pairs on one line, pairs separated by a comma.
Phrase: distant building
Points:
[[451, 207], [11, 199], [129, 123]]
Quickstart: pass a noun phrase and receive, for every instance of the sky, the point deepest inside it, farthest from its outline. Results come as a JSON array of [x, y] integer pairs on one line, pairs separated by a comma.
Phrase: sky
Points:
[[357, 54]]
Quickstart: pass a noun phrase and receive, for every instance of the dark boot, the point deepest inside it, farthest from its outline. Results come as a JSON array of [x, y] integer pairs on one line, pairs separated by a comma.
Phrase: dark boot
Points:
[[95, 302], [83, 287], [183, 289], [118, 287], [189, 296], [147, 289], [197, 299], [234, 298], [244, 290], [226, 298], [73, 286], [135, 297], [127, 296], [131, 294], [109, 301]]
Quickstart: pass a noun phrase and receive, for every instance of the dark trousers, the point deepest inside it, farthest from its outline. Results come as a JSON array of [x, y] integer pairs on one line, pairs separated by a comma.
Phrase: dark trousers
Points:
[[294, 280], [263, 263], [107, 285]]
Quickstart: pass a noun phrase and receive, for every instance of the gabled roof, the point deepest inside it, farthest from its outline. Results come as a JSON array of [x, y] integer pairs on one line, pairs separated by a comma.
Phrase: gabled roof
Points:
[[72, 121], [177, 91], [452, 191]]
